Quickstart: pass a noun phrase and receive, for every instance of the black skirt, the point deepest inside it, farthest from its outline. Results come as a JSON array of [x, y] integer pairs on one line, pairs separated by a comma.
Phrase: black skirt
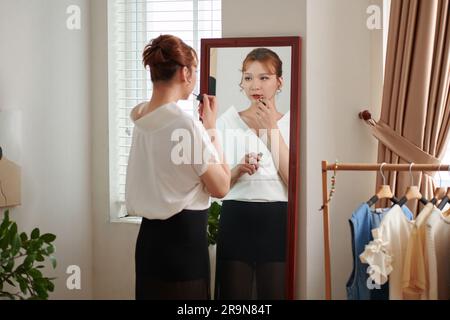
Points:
[[172, 260], [253, 231], [251, 251]]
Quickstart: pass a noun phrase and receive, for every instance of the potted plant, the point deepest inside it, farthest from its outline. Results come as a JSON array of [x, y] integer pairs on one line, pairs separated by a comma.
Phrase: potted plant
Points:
[[21, 257], [213, 230], [213, 223]]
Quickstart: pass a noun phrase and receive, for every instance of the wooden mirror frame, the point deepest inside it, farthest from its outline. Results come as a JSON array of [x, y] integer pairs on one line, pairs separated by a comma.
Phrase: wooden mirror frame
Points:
[[294, 148]]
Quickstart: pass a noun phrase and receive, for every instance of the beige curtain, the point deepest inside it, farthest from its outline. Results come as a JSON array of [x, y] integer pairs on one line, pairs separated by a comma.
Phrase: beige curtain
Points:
[[415, 116]]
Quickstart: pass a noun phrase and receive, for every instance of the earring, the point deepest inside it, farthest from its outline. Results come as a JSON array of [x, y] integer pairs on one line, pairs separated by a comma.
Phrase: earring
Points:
[[279, 90]]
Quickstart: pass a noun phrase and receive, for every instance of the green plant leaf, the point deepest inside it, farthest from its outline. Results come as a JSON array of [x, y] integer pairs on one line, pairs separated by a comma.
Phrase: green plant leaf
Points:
[[35, 233], [5, 223], [28, 262], [4, 242], [50, 249], [23, 237], [41, 292], [51, 286], [9, 266], [35, 248], [39, 257], [48, 237], [213, 222], [35, 273], [16, 244], [53, 261], [22, 284], [12, 232]]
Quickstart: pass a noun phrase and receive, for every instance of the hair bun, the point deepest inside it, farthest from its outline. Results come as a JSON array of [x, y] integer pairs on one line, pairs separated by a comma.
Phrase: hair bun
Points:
[[165, 54], [157, 54]]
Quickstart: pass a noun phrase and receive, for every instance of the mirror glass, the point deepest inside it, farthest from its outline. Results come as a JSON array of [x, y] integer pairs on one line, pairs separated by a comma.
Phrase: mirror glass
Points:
[[256, 85]]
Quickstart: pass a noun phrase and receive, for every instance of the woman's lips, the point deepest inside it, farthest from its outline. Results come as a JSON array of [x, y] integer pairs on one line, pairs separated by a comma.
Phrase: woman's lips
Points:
[[257, 96]]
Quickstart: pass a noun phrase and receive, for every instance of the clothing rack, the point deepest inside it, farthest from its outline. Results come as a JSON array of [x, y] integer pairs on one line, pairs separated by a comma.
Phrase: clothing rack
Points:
[[357, 167]]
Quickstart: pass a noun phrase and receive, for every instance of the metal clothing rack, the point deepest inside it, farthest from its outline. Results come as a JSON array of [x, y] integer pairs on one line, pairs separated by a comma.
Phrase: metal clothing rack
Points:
[[356, 167]]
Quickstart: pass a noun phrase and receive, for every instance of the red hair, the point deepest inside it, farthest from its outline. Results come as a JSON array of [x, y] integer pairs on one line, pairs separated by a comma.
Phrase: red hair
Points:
[[267, 57], [165, 55]]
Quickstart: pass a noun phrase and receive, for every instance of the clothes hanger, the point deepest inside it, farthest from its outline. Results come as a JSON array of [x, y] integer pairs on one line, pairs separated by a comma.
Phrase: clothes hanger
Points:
[[384, 191], [439, 192], [412, 192]]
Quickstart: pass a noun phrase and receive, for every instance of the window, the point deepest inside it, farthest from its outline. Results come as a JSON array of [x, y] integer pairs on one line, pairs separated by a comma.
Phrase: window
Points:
[[443, 179], [386, 15], [131, 25]]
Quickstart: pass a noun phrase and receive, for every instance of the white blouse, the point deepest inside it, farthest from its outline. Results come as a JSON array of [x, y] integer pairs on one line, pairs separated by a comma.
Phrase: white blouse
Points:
[[387, 253], [438, 243], [238, 140], [164, 166]]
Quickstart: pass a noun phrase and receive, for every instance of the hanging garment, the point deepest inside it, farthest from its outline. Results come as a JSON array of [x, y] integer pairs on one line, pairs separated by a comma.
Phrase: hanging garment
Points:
[[362, 222], [386, 253], [438, 249], [415, 270]]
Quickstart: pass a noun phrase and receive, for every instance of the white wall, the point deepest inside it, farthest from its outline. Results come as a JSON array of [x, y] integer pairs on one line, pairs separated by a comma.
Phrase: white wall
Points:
[[343, 78], [113, 244], [44, 78]]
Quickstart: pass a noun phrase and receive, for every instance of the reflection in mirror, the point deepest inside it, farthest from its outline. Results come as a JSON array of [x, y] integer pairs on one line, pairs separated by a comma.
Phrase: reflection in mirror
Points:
[[253, 90]]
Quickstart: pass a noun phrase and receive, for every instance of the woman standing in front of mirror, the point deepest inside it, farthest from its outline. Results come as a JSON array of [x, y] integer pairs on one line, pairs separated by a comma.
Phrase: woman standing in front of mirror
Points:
[[251, 246], [169, 191]]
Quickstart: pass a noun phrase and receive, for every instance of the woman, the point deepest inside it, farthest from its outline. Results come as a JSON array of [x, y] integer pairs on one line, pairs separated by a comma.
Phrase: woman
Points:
[[166, 183], [251, 246]]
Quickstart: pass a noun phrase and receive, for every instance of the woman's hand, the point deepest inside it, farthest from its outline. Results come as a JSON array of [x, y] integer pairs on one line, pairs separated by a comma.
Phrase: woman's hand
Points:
[[207, 109], [249, 164], [266, 115]]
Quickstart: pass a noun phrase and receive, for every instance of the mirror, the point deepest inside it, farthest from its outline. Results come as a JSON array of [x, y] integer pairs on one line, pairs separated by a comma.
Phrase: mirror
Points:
[[257, 85]]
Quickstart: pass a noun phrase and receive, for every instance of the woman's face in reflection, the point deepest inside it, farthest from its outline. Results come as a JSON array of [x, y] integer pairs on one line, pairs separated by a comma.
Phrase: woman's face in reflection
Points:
[[258, 81]]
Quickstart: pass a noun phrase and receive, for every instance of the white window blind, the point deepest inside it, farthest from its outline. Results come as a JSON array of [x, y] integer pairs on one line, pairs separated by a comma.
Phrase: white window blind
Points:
[[132, 24]]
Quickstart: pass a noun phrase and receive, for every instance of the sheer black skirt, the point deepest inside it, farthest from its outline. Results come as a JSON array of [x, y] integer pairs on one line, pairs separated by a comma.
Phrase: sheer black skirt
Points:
[[251, 251], [172, 260]]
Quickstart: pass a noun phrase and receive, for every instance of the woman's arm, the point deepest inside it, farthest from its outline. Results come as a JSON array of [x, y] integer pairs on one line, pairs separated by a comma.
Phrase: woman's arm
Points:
[[267, 120], [217, 177], [280, 153]]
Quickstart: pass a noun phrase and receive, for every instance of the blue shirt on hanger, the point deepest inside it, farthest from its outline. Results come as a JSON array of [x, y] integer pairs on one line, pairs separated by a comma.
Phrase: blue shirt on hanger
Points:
[[363, 220]]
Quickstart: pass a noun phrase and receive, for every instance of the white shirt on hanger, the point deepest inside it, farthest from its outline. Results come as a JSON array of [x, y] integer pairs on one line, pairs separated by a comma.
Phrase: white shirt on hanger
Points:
[[415, 271], [438, 244], [162, 179], [238, 140], [387, 252]]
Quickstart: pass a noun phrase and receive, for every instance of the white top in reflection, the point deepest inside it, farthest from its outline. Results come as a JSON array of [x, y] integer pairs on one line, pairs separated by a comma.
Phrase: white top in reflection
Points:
[[238, 140]]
